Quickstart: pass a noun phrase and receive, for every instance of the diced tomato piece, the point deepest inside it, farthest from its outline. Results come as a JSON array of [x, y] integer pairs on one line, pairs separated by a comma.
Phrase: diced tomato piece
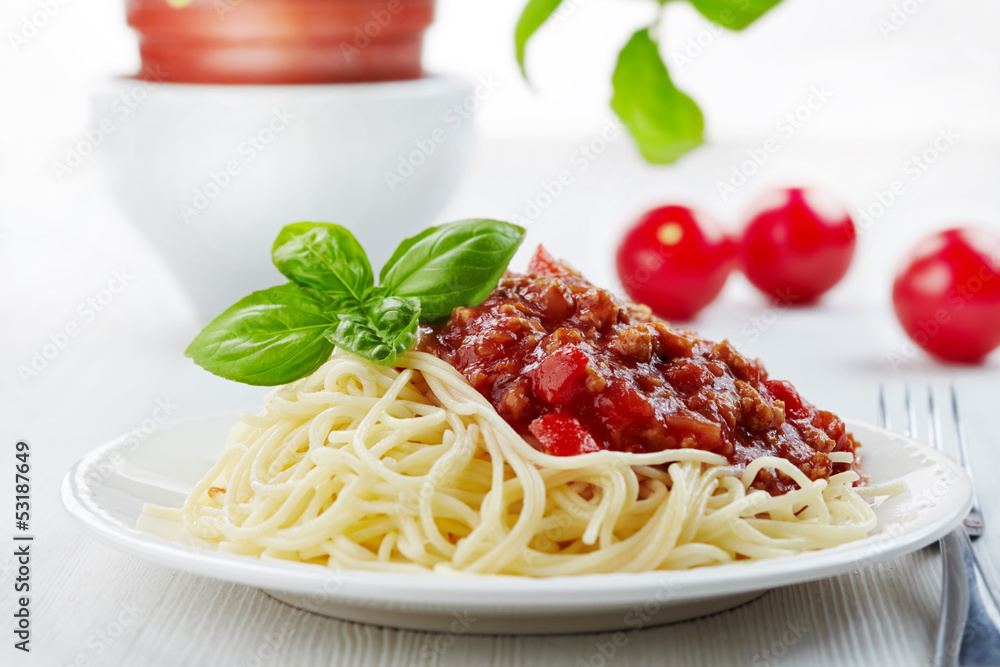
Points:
[[558, 378], [688, 376], [562, 435], [705, 433], [545, 264], [621, 405], [784, 391]]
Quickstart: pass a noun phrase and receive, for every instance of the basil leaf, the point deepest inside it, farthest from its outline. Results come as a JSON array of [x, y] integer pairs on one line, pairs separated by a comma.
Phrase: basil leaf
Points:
[[665, 122], [380, 329], [453, 265], [271, 337], [534, 15], [733, 14], [323, 257]]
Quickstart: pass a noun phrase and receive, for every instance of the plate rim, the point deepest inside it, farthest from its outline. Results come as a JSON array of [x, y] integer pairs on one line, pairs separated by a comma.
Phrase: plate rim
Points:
[[535, 593]]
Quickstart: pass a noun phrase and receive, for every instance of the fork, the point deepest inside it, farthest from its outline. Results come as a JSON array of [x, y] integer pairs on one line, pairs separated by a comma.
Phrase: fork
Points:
[[969, 628]]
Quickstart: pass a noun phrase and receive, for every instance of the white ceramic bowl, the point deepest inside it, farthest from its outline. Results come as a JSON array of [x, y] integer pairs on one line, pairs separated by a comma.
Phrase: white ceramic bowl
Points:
[[211, 172]]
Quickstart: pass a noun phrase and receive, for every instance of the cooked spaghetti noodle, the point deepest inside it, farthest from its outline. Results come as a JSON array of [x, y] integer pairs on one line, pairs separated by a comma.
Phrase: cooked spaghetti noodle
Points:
[[410, 469]]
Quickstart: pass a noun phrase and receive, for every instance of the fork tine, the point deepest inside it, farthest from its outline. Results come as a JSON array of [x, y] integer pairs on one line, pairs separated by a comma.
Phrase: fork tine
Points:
[[911, 430], [934, 430], [974, 520], [963, 451], [883, 411]]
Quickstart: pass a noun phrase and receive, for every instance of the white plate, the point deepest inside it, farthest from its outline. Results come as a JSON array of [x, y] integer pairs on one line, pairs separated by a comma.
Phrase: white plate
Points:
[[106, 490]]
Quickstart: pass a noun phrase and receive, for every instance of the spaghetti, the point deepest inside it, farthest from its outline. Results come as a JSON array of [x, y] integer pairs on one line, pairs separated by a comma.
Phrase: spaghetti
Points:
[[410, 469]]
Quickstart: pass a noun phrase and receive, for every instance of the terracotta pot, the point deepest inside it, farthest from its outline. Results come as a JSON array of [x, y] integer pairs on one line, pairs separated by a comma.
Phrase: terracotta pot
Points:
[[280, 41]]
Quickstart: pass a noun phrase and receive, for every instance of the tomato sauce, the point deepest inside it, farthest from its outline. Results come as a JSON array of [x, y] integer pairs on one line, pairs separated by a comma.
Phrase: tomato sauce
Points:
[[574, 369]]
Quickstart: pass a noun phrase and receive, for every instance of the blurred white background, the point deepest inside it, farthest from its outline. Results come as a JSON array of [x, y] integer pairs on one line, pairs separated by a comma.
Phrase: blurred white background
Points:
[[896, 73], [896, 67]]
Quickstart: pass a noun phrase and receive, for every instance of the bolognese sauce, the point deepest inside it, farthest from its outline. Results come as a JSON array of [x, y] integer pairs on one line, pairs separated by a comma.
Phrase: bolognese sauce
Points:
[[574, 369]]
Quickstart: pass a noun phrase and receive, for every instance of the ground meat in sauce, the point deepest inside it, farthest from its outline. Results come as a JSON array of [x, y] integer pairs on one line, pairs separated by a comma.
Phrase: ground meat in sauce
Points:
[[575, 369]]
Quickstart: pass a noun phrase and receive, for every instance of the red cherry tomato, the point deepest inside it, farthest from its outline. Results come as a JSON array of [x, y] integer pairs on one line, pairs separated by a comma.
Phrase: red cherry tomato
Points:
[[947, 294], [675, 261], [798, 245]]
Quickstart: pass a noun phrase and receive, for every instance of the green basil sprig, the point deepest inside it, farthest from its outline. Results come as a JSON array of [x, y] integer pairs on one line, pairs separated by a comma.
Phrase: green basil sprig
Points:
[[286, 332]]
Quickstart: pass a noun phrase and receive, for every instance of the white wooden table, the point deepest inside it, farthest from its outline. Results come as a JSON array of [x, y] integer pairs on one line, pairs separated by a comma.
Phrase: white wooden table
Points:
[[92, 605]]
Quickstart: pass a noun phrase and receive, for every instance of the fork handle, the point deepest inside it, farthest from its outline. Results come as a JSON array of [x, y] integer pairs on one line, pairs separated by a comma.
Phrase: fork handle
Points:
[[967, 633], [974, 519]]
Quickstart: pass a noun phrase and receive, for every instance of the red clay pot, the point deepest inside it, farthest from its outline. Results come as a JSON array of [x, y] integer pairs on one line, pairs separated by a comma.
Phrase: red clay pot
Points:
[[280, 41]]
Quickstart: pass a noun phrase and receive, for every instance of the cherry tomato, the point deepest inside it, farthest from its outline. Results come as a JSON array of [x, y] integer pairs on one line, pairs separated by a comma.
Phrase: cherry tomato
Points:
[[675, 261], [798, 245], [947, 294]]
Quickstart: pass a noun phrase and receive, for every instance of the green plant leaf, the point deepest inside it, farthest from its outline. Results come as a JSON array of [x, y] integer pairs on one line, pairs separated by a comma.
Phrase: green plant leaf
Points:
[[271, 337], [380, 329], [534, 15], [323, 257], [453, 265], [733, 14], [665, 122]]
